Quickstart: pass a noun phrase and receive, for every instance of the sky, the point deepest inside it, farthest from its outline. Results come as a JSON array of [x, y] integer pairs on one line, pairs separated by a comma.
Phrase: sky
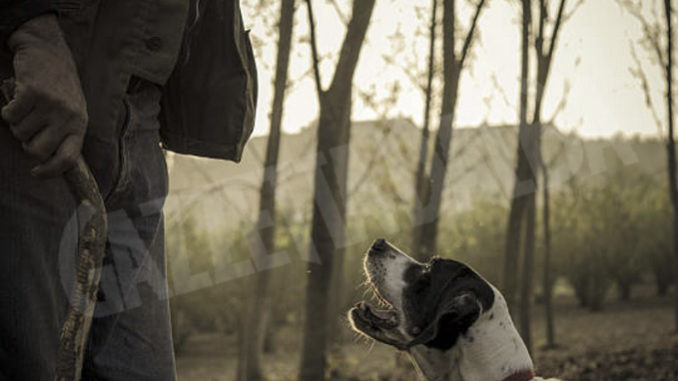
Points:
[[593, 55]]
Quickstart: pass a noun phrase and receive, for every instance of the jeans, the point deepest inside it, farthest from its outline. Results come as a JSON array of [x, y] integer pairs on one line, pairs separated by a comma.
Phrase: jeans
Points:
[[130, 338]]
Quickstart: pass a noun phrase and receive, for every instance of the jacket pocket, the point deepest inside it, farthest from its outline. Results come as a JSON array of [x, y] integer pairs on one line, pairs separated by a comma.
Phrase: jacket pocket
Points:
[[121, 170], [107, 155]]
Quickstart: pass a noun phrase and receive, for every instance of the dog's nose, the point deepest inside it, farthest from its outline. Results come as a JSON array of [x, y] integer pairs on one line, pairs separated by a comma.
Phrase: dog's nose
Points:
[[379, 245]]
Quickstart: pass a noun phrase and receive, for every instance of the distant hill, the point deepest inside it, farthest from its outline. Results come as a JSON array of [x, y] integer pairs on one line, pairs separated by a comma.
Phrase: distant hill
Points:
[[383, 158]]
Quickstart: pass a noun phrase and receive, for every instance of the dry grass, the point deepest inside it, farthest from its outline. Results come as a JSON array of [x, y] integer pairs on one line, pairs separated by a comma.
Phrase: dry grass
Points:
[[625, 341]]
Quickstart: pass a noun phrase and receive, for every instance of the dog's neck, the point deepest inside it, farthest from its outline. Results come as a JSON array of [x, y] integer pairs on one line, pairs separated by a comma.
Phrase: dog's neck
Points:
[[491, 350]]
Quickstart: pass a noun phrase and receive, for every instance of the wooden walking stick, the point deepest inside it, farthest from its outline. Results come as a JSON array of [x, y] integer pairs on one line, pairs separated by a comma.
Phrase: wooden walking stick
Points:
[[91, 214]]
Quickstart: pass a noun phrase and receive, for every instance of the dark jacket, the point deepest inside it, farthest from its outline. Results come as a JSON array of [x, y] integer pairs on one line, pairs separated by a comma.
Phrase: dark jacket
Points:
[[13, 13], [210, 96]]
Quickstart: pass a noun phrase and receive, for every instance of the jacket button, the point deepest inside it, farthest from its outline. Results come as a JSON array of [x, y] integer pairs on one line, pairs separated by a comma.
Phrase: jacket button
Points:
[[154, 43]]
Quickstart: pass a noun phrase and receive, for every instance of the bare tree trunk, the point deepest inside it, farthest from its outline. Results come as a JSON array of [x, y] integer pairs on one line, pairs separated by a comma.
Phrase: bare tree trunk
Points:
[[543, 67], [337, 291], [453, 66], [547, 282], [258, 305], [671, 145], [329, 208], [421, 180], [528, 269], [521, 191], [529, 160]]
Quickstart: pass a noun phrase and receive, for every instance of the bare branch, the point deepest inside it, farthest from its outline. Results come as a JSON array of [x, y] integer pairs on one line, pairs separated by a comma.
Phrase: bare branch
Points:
[[640, 74], [314, 49], [539, 41], [651, 31], [652, 38], [562, 103], [500, 89], [554, 36], [342, 16], [429, 77], [568, 15], [471, 34], [403, 68]]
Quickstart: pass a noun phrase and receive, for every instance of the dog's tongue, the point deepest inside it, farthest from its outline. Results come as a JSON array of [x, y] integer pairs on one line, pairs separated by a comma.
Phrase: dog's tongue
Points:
[[382, 314]]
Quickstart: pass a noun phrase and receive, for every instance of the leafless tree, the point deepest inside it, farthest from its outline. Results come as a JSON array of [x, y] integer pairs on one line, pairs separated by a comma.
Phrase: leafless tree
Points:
[[419, 186], [671, 144], [522, 214], [257, 313], [427, 210], [658, 40], [329, 198]]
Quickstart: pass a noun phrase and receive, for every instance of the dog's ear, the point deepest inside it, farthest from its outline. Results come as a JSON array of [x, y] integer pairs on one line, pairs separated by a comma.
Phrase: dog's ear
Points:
[[454, 316], [455, 299]]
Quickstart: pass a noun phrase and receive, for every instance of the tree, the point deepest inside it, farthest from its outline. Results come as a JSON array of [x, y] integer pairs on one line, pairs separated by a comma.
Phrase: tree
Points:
[[426, 216], [258, 307], [671, 144], [547, 284], [329, 198], [419, 184], [524, 173], [655, 240], [658, 39], [522, 212], [547, 268]]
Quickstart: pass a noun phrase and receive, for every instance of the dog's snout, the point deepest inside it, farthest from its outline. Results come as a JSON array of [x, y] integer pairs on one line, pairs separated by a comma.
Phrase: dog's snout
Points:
[[379, 246]]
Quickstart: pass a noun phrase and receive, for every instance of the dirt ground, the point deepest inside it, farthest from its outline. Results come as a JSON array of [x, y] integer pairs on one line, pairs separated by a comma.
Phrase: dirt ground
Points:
[[630, 341]]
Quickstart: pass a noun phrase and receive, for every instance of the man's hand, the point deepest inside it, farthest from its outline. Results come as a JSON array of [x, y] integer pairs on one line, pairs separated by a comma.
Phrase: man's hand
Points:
[[48, 113]]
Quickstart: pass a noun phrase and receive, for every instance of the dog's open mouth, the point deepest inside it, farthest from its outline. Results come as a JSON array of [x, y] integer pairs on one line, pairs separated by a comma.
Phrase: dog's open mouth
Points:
[[379, 324], [367, 318]]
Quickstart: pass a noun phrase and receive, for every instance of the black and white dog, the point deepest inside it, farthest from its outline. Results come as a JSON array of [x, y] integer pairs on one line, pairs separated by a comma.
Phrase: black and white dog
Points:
[[455, 324]]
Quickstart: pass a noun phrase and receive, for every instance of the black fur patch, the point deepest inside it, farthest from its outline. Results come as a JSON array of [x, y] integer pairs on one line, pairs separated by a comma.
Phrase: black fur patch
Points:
[[433, 302]]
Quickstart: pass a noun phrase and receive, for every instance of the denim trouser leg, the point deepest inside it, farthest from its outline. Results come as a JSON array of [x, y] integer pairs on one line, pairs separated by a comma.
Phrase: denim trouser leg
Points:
[[34, 215], [131, 336]]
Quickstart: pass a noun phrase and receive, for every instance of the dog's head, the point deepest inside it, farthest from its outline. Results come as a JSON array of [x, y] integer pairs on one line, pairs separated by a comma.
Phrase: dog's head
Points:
[[432, 304], [454, 323]]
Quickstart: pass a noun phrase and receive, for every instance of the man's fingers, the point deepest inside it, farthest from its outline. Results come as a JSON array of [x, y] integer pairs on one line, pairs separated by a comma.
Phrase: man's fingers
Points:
[[45, 143], [20, 106], [63, 160], [29, 126]]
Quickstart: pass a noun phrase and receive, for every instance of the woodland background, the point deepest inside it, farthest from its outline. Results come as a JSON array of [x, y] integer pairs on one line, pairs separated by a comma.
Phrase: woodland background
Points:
[[579, 232]]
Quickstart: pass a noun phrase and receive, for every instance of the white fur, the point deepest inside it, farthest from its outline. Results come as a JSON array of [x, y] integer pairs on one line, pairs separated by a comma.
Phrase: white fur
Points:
[[490, 351], [386, 274]]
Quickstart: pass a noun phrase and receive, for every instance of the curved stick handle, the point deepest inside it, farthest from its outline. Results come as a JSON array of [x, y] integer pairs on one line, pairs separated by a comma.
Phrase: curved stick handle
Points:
[[91, 250]]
